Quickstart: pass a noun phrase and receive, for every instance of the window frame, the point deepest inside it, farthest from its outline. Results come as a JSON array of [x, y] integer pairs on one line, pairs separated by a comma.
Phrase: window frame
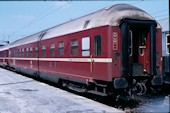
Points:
[[20, 52], [23, 52], [61, 48], [73, 46], [52, 49], [36, 51], [44, 50], [85, 49], [30, 51], [131, 41], [27, 52]]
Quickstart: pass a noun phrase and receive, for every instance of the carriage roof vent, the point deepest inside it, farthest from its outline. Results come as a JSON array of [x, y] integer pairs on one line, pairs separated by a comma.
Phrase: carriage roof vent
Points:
[[86, 24]]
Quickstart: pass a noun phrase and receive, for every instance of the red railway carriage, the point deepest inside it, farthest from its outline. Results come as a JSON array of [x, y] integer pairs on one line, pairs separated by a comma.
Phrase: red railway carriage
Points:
[[114, 48], [4, 55]]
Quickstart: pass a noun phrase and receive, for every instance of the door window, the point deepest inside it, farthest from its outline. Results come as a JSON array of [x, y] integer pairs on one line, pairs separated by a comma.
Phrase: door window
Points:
[[168, 44], [130, 43], [97, 45]]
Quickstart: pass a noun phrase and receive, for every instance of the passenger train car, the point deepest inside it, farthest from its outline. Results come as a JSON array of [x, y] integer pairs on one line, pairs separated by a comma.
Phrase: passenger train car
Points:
[[166, 56], [108, 51], [4, 55]]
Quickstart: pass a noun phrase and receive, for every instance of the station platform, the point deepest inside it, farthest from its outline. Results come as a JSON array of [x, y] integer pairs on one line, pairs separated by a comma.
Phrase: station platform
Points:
[[19, 94]]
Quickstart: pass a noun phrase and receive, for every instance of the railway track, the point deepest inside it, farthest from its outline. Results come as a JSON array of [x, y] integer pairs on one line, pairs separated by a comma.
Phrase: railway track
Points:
[[147, 103]]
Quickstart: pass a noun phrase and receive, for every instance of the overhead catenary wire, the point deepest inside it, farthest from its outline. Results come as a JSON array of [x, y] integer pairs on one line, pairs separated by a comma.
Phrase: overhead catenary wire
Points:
[[163, 18], [160, 11], [164, 15], [40, 18], [46, 13]]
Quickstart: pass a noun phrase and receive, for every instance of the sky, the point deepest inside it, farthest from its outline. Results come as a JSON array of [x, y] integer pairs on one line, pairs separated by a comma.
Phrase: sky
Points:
[[23, 18]]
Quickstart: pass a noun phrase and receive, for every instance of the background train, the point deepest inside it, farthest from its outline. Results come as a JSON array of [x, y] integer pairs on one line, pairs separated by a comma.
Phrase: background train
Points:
[[114, 50], [166, 58]]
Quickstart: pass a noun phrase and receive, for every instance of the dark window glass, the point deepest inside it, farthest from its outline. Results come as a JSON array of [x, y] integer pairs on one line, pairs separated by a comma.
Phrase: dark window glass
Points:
[[168, 49], [74, 48], [31, 52], [61, 49], [23, 53], [168, 43], [130, 43], [43, 50], [36, 51], [168, 39], [1, 54], [20, 53], [12, 53], [27, 52], [17, 53], [52, 49], [97, 45]]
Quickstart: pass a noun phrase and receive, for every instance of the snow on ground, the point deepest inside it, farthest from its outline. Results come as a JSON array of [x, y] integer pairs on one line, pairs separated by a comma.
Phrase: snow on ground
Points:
[[19, 94]]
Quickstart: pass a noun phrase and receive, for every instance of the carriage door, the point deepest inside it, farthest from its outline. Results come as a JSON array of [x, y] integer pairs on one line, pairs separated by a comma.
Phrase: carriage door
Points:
[[135, 34], [137, 49]]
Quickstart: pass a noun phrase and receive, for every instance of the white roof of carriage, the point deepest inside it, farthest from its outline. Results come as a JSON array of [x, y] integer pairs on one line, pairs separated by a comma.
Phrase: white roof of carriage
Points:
[[5, 47], [108, 16]]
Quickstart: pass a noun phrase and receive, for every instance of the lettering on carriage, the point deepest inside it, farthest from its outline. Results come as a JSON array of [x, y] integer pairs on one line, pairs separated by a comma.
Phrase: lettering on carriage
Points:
[[78, 59], [115, 41]]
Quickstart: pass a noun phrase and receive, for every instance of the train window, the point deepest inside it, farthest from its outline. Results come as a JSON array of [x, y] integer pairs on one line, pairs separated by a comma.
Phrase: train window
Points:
[[85, 46], [74, 48], [14, 53], [61, 49], [97, 45], [20, 52], [130, 43], [17, 53], [1, 54], [168, 43], [31, 52], [27, 52], [43, 50], [52, 49], [36, 51], [23, 52]]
